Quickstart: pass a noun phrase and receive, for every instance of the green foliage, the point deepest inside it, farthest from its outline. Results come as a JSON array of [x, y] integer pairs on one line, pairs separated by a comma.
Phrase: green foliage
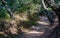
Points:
[[23, 8], [31, 6], [3, 13], [21, 5], [36, 1]]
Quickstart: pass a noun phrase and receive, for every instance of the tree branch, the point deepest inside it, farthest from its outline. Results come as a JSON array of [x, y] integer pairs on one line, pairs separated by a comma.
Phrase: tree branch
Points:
[[8, 9], [44, 5]]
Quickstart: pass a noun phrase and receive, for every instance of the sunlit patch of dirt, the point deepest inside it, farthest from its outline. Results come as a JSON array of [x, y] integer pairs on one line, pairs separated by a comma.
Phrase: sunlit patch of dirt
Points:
[[13, 30], [13, 22], [33, 33], [25, 30], [43, 23], [21, 16], [2, 33]]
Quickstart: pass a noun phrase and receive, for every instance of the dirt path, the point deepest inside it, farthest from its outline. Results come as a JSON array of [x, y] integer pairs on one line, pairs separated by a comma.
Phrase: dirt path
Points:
[[41, 30]]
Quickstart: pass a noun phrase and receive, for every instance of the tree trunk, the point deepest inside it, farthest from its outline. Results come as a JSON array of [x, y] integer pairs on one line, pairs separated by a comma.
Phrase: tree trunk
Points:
[[51, 15], [56, 8]]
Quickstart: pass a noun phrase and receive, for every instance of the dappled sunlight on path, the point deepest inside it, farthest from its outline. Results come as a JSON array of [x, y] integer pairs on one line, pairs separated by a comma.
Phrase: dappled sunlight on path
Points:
[[41, 30], [43, 23], [35, 33]]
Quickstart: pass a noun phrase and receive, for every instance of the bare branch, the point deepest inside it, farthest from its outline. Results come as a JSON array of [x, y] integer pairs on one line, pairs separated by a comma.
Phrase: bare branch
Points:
[[44, 6]]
